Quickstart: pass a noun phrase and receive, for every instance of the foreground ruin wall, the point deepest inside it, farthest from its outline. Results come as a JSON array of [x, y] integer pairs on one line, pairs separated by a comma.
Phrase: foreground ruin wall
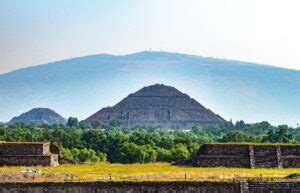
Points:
[[248, 156], [28, 154], [151, 187], [120, 187], [47, 160], [270, 187], [15, 148]]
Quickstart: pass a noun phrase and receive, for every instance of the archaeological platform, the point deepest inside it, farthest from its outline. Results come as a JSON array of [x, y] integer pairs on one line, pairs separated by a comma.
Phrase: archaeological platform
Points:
[[28, 154], [250, 155]]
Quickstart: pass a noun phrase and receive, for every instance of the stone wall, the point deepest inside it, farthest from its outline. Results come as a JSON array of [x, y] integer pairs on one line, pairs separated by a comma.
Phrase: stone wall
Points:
[[28, 154], [271, 187], [120, 187], [8, 148], [34, 160], [248, 155], [223, 155], [265, 156], [290, 156], [152, 187], [223, 161], [224, 149]]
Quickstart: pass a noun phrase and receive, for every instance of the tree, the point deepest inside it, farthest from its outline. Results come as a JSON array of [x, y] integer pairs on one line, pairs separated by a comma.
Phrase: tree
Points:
[[102, 156], [193, 149], [239, 137], [115, 138], [166, 142], [66, 153], [131, 153], [240, 124], [88, 155], [264, 125], [72, 122], [281, 135], [180, 154], [2, 132], [94, 139], [163, 155], [84, 155], [150, 154]]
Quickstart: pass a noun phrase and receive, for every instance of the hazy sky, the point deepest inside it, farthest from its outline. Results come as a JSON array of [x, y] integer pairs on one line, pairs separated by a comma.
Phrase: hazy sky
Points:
[[39, 31]]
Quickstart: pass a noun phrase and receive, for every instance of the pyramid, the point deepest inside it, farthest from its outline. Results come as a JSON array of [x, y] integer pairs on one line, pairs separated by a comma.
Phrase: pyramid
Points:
[[39, 116], [157, 105]]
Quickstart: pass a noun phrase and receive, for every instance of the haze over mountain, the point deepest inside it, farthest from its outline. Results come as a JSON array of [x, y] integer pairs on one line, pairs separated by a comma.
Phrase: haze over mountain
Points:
[[157, 105], [39, 116], [81, 86]]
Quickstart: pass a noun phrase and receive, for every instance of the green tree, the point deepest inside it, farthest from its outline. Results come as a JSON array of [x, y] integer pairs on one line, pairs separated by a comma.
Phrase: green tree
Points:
[[94, 139], [180, 154], [131, 153], [163, 155], [72, 122], [239, 137], [66, 153], [84, 155]]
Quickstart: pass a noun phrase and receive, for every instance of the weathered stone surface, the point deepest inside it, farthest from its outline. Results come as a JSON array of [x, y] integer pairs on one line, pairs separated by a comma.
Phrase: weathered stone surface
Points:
[[152, 187], [120, 187], [223, 155], [29, 160], [248, 156], [15, 148], [28, 154], [273, 187], [157, 105]]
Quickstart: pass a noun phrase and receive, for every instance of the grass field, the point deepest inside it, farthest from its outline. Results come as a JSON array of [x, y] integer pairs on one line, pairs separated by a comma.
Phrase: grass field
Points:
[[137, 172]]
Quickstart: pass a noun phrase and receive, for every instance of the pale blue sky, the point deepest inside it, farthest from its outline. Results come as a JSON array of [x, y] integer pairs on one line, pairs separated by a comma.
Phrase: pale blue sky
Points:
[[38, 31]]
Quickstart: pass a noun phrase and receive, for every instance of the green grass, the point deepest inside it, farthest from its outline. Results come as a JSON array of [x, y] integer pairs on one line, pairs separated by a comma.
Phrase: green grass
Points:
[[138, 172]]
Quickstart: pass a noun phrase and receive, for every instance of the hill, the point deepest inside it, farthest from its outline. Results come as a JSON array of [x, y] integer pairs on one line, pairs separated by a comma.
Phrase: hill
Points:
[[39, 116], [157, 105], [80, 86]]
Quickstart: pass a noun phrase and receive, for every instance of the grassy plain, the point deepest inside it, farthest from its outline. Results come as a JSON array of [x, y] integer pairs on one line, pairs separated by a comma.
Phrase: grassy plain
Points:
[[138, 172]]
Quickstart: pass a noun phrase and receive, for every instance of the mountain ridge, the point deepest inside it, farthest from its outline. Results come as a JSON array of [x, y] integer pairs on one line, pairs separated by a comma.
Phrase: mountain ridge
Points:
[[80, 86], [145, 52]]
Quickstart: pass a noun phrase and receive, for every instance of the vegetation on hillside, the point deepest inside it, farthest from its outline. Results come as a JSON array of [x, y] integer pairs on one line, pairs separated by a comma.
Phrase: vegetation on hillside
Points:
[[143, 144]]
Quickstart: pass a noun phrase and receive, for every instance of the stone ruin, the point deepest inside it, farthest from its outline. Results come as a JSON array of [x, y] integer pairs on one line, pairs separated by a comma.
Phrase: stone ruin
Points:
[[159, 106], [28, 154], [248, 155], [151, 187]]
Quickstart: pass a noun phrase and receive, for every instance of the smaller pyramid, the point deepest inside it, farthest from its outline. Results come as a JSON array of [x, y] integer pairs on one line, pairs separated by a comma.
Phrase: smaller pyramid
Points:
[[39, 116], [157, 105]]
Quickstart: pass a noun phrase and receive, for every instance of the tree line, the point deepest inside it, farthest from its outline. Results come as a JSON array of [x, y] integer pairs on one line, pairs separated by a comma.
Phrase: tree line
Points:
[[143, 144]]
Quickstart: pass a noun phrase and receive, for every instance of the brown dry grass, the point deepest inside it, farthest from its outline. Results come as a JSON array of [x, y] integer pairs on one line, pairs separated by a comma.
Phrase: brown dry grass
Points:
[[138, 172]]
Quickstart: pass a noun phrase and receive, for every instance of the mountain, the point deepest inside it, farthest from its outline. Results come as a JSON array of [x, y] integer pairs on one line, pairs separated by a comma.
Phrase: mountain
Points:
[[81, 86], [157, 105], [39, 116]]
